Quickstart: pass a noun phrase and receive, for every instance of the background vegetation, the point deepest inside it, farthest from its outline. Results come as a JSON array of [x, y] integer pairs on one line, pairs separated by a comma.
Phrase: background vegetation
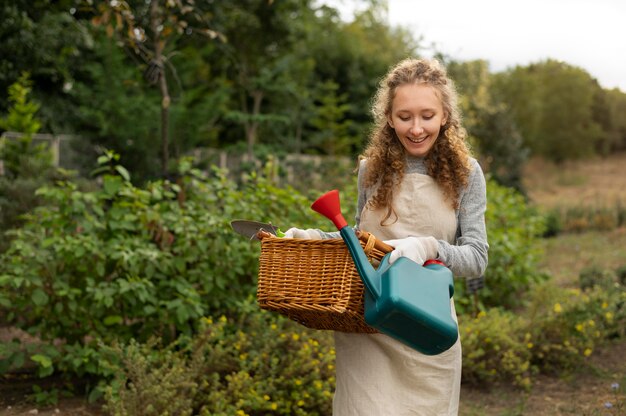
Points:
[[119, 273]]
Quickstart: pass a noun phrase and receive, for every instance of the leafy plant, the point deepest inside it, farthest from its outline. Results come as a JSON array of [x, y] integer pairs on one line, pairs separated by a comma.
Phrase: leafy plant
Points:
[[513, 231], [122, 262], [253, 363], [496, 348], [25, 165]]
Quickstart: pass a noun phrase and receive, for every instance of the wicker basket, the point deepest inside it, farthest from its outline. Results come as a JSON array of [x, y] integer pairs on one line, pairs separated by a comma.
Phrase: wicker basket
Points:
[[315, 282]]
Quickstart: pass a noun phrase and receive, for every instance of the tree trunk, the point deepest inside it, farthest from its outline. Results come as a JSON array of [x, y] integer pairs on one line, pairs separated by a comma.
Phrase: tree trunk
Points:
[[155, 22], [252, 127]]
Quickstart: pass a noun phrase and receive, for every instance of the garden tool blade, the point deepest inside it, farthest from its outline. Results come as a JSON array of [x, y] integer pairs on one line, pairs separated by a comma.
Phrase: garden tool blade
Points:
[[250, 229]]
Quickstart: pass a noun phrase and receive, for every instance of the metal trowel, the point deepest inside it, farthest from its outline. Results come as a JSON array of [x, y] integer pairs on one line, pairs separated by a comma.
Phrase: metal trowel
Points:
[[249, 228]]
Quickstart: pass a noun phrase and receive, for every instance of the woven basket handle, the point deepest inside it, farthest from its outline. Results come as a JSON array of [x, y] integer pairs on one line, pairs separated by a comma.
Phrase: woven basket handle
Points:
[[378, 244], [261, 234]]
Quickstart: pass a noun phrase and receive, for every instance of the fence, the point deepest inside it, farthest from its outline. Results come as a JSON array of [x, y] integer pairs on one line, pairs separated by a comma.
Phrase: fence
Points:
[[298, 170], [59, 145]]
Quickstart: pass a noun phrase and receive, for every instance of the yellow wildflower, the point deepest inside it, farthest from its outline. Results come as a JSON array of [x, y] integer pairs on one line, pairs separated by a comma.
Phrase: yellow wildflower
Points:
[[587, 352], [558, 308]]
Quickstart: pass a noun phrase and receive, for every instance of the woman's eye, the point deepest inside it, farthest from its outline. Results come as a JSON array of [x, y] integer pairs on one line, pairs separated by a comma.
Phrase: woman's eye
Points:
[[428, 117], [404, 118]]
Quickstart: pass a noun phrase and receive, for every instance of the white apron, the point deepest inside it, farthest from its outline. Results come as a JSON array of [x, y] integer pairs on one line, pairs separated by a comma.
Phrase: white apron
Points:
[[377, 375]]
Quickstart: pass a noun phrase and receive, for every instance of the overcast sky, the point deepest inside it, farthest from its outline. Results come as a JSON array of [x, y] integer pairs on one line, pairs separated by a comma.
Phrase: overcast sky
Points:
[[590, 34]]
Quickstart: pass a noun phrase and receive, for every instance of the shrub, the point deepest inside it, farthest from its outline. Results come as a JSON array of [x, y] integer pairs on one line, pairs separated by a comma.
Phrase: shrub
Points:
[[255, 363], [513, 230], [496, 348], [122, 262], [568, 324], [25, 165], [620, 272], [595, 275]]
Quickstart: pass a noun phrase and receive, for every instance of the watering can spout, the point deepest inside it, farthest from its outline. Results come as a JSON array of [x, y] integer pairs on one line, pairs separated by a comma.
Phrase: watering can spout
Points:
[[329, 206]]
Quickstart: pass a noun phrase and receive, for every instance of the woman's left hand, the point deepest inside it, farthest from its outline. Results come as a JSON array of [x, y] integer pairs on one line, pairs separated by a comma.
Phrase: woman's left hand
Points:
[[418, 249]]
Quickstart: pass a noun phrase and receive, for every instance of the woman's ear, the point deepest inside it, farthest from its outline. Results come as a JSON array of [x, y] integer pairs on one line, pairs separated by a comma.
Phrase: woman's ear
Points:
[[444, 120], [390, 122]]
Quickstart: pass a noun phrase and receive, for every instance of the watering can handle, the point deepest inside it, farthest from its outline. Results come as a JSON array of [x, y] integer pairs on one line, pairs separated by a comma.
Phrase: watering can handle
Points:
[[378, 244]]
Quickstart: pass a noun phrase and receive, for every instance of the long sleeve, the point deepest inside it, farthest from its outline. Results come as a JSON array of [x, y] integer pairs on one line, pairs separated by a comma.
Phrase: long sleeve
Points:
[[469, 256]]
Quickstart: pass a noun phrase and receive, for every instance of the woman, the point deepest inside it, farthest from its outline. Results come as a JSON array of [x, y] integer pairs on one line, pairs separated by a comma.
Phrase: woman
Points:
[[419, 190]]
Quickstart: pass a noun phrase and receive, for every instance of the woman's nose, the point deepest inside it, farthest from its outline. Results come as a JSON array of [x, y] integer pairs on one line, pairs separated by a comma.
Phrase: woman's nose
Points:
[[416, 128]]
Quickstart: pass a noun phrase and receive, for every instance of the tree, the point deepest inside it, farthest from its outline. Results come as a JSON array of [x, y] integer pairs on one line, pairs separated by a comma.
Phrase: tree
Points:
[[329, 119], [552, 103], [26, 166], [489, 123], [261, 35], [151, 31], [45, 39], [616, 102]]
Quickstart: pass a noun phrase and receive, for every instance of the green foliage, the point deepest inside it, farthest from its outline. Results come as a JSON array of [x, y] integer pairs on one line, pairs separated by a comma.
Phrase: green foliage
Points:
[[556, 332], [568, 324], [26, 165], [595, 275], [489, 123], [513, 231], [254, 363], [20, 156], [330, 120], [537, 95], [496, 348], [122, 262], [126, 118]]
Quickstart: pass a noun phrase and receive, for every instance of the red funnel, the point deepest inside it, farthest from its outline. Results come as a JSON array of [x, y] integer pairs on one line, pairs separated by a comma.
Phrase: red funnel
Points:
[[328, 205]]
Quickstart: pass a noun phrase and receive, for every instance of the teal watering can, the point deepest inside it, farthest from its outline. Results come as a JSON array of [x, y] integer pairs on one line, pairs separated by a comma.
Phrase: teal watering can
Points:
[[404, 300]]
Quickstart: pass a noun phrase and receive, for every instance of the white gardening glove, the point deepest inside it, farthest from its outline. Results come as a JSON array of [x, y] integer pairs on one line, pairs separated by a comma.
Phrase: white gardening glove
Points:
[[418, 249], [309, 234]]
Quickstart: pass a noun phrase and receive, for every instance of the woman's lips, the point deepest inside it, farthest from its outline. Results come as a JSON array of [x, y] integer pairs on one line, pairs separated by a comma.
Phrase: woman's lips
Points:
[[420, 140]]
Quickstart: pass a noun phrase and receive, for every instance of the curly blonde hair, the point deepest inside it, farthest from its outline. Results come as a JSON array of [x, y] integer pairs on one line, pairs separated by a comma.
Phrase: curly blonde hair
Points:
[[448, 162]]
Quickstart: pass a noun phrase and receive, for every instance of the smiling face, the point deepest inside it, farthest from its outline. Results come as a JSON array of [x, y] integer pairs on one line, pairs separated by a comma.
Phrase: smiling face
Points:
[[417, 116]]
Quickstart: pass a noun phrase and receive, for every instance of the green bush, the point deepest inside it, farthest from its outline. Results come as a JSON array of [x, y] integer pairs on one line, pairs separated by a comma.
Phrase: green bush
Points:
[[255, 363], [496, 348], [25, 165], [556, 332], [568, 324], [123, 262], [595, 275], [513, 231]]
